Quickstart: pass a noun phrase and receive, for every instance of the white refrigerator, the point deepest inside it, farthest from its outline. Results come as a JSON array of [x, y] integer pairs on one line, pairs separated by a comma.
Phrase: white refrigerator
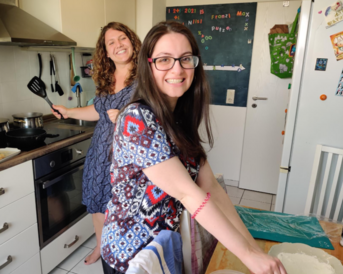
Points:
[[312, 121]]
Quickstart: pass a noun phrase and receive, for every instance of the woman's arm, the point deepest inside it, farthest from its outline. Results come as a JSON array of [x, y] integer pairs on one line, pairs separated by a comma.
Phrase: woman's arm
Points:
[[172, 177], [208, 183], [87, 113]]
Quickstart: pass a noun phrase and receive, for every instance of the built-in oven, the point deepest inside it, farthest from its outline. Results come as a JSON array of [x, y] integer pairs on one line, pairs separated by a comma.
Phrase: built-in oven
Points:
[[58, 187]]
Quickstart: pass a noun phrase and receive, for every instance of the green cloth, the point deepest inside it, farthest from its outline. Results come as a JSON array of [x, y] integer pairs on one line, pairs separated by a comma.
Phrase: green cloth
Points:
[[281, 227], [282, 50]]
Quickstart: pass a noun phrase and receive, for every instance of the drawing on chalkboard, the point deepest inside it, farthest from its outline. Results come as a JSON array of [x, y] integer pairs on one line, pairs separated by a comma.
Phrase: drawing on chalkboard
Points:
[[225, 35]]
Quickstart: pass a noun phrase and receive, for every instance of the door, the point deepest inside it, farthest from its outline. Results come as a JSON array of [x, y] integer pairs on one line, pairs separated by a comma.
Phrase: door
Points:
[[267, 101]]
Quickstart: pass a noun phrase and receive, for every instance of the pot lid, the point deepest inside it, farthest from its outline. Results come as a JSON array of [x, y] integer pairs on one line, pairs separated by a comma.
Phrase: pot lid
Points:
[[28, 115], [3, 120]]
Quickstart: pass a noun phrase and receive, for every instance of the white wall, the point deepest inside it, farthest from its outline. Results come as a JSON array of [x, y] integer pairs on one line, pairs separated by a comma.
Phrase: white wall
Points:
[[149, 13], [144, 15], [19, 66], [121, 11], [159, 11]]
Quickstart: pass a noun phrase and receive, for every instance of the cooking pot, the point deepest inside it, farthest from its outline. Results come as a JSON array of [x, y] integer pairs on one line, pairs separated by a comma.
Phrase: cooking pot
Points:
[[27, 138], [28, 120], [4, 127]]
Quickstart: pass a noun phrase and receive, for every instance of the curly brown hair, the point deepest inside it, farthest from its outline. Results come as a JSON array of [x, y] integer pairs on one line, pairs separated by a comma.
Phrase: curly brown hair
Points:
[[104, 67]]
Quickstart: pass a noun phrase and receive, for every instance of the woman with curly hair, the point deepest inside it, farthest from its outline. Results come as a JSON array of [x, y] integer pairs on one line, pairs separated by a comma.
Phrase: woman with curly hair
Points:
[[115, 67]]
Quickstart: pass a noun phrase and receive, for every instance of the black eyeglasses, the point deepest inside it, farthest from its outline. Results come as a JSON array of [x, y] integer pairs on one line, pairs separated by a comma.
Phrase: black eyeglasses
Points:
[[167, 62]]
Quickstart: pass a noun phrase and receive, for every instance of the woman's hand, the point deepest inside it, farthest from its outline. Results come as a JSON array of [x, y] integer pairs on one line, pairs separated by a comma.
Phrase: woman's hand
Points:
[[112, 114], [63, 110], [260, 263]]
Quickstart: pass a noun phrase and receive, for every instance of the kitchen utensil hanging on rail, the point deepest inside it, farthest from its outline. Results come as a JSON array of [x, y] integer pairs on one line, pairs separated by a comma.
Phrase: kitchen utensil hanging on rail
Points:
[[41, 83], [35, 85], [76, 77], [56, 76], [51, 72]]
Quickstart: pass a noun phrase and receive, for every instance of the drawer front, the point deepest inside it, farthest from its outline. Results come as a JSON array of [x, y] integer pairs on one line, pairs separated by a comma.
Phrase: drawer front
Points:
[[32, 266], [18, 216], [15, 183], [56, 252], [21, 248]]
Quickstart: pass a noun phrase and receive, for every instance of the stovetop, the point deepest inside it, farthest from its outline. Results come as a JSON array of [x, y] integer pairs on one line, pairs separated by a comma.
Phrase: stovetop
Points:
[[57, 134], [62, 134]]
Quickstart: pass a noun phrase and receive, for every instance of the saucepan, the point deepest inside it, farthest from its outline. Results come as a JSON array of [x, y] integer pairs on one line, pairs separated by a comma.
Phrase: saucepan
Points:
[[26, 138], [28, 120]]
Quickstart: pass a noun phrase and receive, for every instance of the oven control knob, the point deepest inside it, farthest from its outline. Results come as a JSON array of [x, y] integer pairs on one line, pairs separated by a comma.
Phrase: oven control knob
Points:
[[52, 163]]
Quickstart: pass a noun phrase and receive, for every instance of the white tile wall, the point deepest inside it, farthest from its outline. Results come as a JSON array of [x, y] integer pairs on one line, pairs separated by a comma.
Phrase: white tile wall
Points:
[[18, 66]]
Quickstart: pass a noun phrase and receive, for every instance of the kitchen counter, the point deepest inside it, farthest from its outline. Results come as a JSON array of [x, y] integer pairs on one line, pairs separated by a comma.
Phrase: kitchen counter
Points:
[[222, 258], [29, 155]]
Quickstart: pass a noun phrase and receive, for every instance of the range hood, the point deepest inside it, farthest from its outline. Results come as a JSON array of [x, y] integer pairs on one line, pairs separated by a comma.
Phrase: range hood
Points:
[[18, 28]]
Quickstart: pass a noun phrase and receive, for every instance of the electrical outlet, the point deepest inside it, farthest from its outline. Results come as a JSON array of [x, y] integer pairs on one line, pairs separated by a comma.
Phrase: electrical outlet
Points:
[[230, 96]]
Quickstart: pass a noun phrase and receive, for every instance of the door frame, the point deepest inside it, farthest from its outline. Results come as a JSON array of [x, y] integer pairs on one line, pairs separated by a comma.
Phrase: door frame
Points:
[[293, 103]]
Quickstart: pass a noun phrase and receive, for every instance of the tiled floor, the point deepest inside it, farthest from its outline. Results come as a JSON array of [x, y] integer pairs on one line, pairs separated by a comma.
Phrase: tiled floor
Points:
[[74, 264], [251, 198]]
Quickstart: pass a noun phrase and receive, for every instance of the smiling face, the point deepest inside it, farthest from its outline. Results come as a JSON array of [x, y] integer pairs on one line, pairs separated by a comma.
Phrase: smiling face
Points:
[[118, 47], [176, 81]]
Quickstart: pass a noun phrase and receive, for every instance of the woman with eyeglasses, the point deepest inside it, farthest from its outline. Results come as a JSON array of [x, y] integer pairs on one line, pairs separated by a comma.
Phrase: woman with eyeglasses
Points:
[[159, 165]]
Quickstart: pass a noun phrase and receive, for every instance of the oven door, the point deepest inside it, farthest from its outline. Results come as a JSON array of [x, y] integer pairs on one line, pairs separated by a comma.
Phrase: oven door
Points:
[[58, 200]]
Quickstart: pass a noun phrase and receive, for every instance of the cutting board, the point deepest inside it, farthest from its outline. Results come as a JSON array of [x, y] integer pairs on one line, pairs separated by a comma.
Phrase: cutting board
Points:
[[281, 227]]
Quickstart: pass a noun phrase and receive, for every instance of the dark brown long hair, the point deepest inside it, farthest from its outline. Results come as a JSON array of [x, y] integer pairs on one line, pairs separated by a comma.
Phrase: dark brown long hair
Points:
[[191, 109], [104, 67]]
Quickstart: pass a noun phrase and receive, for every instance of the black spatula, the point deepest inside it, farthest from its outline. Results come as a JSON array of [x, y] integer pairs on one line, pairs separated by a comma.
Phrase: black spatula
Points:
[[35, 85]]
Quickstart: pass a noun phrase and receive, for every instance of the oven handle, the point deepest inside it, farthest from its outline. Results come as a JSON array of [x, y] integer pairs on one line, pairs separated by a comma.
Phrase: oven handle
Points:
[[49, 183]]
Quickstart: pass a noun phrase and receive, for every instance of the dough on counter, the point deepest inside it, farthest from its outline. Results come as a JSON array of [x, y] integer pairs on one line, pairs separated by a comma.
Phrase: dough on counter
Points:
[[300, 263], [2, 156]]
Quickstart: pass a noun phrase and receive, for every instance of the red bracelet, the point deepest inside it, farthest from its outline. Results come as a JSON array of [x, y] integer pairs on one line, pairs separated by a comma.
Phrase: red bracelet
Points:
[[202, 205]]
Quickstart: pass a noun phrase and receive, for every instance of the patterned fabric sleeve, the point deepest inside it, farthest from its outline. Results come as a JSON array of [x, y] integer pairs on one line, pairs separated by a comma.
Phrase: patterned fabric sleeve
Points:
[[139, 139]]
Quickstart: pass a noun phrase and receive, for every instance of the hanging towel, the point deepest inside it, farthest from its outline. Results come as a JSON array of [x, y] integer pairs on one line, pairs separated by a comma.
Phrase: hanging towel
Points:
[[73, 89], [162, 256]]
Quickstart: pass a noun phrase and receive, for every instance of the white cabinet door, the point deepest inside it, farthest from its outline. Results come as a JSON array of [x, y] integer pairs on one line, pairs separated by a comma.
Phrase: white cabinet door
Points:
[[82, 20], [21, 248], [262, 147], [18, 216], [32, 266], [56, 251], [16, 182]]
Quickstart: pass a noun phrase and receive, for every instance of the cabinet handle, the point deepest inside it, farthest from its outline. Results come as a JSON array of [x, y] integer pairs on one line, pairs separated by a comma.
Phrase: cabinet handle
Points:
[[4, 227], [72, 243], [2, 191], [259, 98], [79, 152], [9, 260]]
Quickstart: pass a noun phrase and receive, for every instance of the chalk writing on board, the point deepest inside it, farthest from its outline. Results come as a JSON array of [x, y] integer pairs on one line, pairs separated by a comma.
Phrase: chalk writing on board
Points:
[[225, 35], [227, 68]]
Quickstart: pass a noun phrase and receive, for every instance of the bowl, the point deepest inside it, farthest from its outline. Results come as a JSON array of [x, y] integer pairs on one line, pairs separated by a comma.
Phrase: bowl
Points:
[[309, 256]]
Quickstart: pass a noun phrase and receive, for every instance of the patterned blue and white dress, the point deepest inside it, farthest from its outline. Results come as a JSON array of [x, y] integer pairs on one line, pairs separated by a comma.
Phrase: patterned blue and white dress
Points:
[[138, 209], [96, 186]]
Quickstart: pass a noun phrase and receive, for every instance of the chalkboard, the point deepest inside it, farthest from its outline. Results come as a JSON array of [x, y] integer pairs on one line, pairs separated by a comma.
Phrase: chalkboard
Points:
[[225, 37]]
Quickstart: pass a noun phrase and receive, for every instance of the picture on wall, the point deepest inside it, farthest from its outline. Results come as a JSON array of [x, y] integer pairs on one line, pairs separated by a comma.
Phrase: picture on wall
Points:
[[225, 35]]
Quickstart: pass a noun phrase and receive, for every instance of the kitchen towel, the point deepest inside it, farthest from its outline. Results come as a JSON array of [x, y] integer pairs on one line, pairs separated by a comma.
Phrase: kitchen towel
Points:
[[281, 227]]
